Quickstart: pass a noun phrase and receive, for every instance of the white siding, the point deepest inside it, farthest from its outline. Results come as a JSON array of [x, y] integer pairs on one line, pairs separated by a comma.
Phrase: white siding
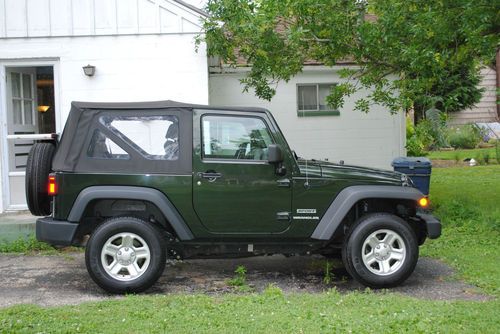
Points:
[[372, 139], [485, 110], [57, 18], [128, 68]]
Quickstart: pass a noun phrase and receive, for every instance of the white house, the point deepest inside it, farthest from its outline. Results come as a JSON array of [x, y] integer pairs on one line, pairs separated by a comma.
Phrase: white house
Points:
[[311, 128], [143, 50]]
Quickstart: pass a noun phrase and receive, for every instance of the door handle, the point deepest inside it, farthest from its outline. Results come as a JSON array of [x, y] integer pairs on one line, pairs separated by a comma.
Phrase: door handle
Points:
[[285, 183], [210, 176]]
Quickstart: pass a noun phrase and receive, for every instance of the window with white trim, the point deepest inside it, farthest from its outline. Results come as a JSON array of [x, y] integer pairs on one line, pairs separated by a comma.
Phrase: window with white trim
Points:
[[311, 99]]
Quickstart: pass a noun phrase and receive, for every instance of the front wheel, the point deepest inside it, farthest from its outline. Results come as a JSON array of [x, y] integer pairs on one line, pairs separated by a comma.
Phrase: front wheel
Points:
[[381, 251], [125, 254]]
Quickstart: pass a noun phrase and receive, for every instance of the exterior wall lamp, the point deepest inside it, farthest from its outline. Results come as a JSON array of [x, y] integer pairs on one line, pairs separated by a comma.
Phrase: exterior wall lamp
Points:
[[89, 70]]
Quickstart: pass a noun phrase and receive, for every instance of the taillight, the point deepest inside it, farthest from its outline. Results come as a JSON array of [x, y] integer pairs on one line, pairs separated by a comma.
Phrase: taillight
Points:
[[52, 185]]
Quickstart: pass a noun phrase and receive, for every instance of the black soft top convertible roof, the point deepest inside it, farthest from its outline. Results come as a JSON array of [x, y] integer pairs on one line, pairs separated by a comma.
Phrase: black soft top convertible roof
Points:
[[70, 154], [154, 105]]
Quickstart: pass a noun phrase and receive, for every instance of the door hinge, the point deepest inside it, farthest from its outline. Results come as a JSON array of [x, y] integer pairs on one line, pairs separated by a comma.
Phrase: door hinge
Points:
[[284, 183], [283, 215]]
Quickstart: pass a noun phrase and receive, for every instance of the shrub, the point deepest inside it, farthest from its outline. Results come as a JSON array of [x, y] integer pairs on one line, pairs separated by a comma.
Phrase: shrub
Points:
[[467, 136], [415, 139]]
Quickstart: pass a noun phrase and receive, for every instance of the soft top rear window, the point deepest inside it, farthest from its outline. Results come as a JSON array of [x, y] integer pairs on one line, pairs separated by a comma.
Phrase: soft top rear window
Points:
[[154, 137]]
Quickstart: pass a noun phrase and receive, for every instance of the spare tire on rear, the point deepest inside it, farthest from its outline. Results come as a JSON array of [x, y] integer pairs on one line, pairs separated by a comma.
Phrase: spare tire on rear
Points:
[[38, 168]]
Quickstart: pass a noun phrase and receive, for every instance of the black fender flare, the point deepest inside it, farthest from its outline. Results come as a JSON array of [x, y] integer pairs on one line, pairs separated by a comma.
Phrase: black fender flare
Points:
[[138, 193], [349, 196]]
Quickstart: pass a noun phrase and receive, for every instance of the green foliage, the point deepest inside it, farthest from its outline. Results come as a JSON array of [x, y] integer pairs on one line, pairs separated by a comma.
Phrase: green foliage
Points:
[[25, 245], [467, 136], [497, 150], [239, 281], [431, 50], [422, 137], [329, 276]]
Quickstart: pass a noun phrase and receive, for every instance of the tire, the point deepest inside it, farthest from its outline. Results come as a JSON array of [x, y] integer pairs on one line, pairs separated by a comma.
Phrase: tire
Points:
[[38, 168], [381, 251], [125, 254]]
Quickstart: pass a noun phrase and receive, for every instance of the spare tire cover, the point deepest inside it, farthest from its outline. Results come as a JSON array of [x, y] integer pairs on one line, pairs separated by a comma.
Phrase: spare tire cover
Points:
[[38, 168]]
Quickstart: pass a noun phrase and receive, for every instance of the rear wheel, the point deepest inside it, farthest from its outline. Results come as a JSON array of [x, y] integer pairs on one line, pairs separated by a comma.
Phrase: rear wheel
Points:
[[38, 167], [381, 251], [125, 254]]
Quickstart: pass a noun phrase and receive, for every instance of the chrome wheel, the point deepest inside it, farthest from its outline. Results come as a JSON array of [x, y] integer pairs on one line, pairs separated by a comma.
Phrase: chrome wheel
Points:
[[383, 252], [125, 256]]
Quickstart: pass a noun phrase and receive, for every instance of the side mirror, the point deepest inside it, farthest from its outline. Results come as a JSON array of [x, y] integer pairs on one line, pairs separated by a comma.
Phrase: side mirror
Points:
[[274, 153]]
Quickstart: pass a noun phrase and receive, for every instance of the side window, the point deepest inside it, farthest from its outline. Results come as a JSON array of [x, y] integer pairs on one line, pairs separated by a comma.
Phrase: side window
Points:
[[104, 148], [154, 137], [226, 137]]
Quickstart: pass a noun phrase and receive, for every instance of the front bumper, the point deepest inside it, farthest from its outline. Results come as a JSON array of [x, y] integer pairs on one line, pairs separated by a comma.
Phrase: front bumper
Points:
[[433, 225], [55, 232]]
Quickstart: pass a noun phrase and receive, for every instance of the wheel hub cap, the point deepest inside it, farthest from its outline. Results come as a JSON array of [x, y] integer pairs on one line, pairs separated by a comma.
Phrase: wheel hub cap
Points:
[[383, 252], [125, 256]]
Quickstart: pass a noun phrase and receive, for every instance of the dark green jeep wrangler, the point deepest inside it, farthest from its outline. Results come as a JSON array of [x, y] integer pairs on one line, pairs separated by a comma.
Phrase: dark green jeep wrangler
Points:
[[157, 180]]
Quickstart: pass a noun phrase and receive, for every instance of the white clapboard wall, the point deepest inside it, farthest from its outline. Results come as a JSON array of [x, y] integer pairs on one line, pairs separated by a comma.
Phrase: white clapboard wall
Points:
[[56, 18]]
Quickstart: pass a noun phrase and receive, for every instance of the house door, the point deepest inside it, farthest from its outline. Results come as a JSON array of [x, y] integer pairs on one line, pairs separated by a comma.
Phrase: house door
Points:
[[22, 119]]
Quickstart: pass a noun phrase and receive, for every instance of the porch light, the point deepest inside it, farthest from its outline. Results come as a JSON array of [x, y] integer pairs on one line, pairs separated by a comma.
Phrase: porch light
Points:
[[43, 109], [89, 70]]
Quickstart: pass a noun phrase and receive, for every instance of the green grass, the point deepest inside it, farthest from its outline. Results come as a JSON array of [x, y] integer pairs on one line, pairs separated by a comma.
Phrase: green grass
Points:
[[269, 312], [25, 245], [29, 245], [467, 201], [463, 154]]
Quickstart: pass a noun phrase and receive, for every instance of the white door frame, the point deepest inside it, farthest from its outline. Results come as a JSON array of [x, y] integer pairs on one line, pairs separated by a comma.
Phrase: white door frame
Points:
[[4, 157]]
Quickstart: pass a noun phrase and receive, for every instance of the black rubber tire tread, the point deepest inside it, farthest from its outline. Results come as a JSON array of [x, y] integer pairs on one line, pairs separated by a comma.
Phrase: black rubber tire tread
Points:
[[151, 234], [38, 168], [351, 250]]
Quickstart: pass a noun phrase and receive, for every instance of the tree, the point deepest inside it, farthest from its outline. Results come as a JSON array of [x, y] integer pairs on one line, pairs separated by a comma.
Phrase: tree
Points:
[[432, 49]]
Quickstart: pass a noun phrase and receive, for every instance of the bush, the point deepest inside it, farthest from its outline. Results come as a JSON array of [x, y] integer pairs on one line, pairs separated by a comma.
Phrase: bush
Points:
[[467, 136], [419, 138]]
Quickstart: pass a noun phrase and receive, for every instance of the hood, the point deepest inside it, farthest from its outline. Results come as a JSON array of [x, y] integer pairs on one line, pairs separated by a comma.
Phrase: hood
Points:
[[329, 170]]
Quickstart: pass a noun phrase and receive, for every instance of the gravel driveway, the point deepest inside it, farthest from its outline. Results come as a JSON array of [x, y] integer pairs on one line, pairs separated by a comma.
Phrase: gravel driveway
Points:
[[63, 279]]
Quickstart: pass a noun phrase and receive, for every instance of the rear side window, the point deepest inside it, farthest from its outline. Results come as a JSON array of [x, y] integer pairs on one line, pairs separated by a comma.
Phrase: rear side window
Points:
[[101, 147], [226, 137], [154, 137]]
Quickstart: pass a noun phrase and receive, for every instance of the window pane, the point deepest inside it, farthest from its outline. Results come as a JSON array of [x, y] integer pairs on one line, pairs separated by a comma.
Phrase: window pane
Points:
[[104, 148], [28, 112], [307, 98], [235, 138], [155, 137], [324, 91], [16, 84], [27, 86], [16, 104]]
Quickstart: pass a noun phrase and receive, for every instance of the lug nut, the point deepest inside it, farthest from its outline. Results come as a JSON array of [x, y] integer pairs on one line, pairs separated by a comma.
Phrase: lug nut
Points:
[[119, 253]]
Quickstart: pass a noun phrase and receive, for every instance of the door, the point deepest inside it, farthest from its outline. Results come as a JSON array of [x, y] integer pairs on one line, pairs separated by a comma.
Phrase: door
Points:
[[235, 189], [22, 119]]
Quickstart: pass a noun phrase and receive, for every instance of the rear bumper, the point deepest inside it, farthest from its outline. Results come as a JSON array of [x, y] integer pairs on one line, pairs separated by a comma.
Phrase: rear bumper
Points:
[[55, 232], [433, 225]]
